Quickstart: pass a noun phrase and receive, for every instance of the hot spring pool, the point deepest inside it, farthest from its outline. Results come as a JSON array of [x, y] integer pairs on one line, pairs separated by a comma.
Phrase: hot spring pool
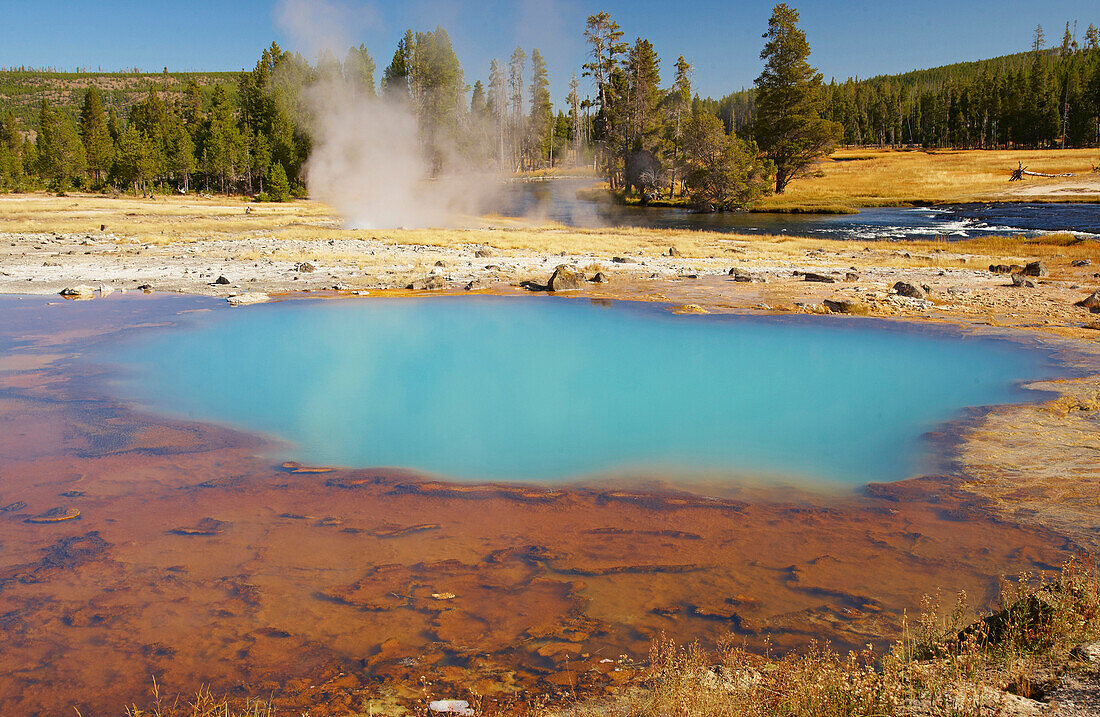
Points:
[[547, 389]]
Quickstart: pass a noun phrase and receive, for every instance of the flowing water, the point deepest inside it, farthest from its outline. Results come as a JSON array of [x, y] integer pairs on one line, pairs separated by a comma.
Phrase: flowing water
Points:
[[556, 200], [556, 389]]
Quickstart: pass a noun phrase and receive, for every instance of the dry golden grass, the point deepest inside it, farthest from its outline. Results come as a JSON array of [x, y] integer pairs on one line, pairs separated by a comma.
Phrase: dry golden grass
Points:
[[875, 177], [940, 667]]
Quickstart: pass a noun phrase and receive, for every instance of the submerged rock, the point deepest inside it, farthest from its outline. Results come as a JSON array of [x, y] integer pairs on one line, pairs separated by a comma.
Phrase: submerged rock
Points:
[[904, 288], [566, 278]]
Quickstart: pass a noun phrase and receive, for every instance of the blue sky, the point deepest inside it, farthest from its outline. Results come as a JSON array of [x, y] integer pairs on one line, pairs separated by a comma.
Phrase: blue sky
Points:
[[721, 38]]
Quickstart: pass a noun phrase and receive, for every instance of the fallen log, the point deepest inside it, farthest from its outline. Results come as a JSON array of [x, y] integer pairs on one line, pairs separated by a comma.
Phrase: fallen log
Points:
[[1020, 172]]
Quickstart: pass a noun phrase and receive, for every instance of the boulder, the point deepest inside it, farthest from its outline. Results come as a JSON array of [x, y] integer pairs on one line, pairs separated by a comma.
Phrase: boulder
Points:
[[674, 252], [566, 278], [904, 288], [600, 278], [1024, 281], [1005, 268], [1082, 262], [1036, 268], [846, 306], [432, 282], [147, 288], [1092, 302], [746, 276], [82, 291], [851, 276], [249, 297], [304, 267], [483, 253], [221, 280], [822, 278], [623, 260], [1089, 652]]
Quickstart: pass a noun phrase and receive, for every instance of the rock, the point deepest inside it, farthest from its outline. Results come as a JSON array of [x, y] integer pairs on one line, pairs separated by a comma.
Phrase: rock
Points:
[[746, 276], [1092, 302], [221, 280], [433, 282], [13, 507], [249, 297], [147, 288], [1082, 262], [674, 252], [105, 290], [846, 306], [1024, 281], [1036, 268], [55, 515], [600, 278], [205, 527], [483, 253], [1089, 652], [851, 276], [457, 707], [821, 278], [304, 267], [904, 288], [443, 596], [440, 263], [690, 309], [83, 291], [473, 285], [1005, 268], [565, 278], [623, 260]]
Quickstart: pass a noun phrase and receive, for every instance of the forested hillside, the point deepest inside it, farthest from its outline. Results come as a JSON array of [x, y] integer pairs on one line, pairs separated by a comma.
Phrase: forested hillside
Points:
[[1047, 97], [22, 90]]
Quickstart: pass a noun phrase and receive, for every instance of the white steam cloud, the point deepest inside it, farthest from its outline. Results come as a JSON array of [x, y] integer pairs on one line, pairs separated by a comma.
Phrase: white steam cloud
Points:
[[367, 159]]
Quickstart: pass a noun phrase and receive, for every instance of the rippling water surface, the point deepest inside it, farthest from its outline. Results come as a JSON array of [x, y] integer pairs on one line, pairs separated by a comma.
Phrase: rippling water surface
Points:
[[553, 389], [556, 200]]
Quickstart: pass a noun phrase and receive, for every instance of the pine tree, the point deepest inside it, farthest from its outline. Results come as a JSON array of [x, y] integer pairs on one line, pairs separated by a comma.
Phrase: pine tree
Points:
[[278, 188], [98, 147], [789, 124], [359, 70], [59, 152], [677, 105], [644, 94], [516, 66], [722, 170], [498, 107], [605, 39], [395, 78], [540, 120]]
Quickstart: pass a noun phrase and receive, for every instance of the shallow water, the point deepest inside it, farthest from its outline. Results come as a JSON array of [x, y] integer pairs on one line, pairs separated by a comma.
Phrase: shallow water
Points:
[[556, 200], [554, 389]]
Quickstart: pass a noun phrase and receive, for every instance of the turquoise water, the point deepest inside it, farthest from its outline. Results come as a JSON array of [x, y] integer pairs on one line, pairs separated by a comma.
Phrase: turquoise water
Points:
[[547, 389]]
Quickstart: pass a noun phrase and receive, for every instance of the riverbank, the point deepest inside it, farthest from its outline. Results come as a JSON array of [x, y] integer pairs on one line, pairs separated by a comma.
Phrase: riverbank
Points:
[[851, 179]]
